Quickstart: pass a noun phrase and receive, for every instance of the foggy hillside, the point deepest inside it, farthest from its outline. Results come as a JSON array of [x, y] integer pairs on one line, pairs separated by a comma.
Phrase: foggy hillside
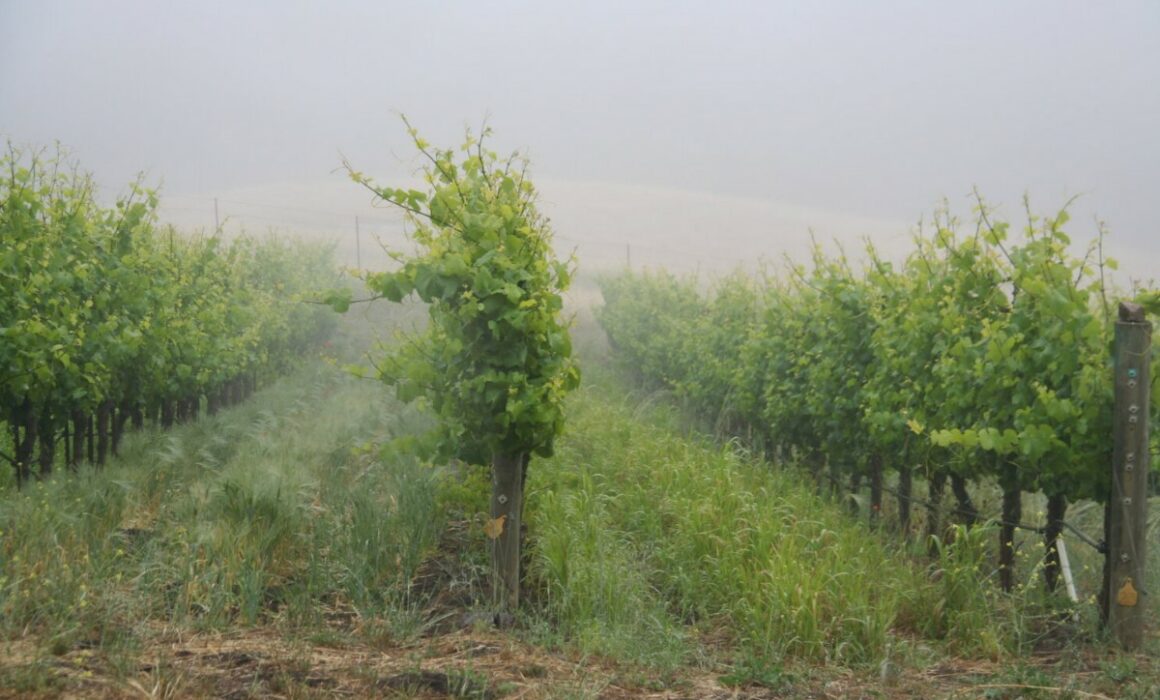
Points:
[[698, 136]]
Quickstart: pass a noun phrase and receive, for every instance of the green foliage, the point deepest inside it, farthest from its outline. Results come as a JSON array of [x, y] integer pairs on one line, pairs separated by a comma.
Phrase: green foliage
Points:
[[495, 362], [1026, 376], [964, 605], [1150, 300], [261, 513], [757, 670], [652, 343], [976, 352], [597, 580], [101, 307], [639, 534]]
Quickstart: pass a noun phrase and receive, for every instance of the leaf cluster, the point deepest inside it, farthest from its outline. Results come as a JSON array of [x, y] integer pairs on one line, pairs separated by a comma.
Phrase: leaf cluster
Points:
[[101, 304], [496, 360], [978, 350]]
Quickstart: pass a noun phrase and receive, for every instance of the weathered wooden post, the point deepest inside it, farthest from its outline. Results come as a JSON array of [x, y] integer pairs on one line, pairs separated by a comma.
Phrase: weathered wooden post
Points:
[[505, 530], [1131, 462]]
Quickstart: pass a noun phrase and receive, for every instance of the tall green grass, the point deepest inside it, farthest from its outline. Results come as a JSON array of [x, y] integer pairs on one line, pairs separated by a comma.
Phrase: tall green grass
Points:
[[279, 511], [649, 542]]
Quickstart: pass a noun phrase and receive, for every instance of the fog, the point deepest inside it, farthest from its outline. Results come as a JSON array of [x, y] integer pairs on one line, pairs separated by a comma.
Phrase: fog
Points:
[[694, 135]]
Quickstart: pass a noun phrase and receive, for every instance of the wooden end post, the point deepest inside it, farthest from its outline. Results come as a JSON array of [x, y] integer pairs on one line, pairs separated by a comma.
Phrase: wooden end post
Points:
[[1131, 463]]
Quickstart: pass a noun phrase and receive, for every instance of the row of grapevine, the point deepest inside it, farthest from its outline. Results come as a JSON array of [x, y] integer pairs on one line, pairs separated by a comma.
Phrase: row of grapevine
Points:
[[978, 357], [107, 318]]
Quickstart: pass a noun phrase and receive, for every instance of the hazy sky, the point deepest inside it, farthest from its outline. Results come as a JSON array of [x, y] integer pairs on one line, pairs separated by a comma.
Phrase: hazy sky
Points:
[[699, 133]]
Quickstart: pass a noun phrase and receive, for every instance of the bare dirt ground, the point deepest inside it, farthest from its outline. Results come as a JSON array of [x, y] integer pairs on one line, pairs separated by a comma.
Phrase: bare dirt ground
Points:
[[482, 663]]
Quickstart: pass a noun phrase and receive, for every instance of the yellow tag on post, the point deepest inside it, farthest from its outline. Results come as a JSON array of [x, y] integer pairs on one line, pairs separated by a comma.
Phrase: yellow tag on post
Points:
[[1127, 597], [494, 528]]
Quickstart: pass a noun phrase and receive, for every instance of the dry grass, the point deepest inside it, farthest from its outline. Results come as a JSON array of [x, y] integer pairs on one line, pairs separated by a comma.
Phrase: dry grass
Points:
[[482, 663]]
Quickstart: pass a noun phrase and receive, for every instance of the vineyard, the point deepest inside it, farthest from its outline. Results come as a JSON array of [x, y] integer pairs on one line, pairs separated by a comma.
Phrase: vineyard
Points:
[[109, 319], [983, 359], [206, 498]]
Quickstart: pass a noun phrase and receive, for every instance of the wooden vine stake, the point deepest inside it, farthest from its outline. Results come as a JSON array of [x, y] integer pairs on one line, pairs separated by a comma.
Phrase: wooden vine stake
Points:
[[507, 505], [1131, 462]]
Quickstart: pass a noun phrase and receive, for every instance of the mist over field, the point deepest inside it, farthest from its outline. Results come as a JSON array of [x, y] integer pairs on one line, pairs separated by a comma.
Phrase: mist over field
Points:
[[841, 453], [693, 136]]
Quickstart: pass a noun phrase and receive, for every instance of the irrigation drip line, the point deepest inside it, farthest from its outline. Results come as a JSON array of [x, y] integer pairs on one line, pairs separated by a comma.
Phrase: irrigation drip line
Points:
[[1099, 546]]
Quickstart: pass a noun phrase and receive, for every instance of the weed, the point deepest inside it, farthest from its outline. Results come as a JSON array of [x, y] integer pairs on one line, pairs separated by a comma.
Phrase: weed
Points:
[[29, 678], [1119, 669], [757, 670]]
